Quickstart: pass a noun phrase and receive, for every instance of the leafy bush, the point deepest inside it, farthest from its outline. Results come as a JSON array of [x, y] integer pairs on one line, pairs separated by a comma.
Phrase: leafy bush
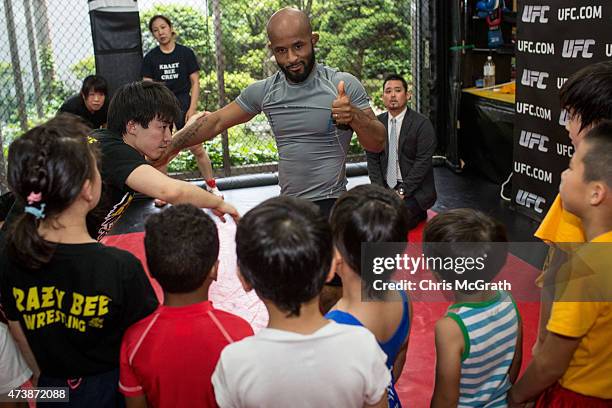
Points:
[[235, 82], [83, 68], [246, 146]]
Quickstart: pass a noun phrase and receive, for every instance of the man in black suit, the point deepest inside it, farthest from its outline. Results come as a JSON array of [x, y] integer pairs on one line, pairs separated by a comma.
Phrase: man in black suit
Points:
[[411, 143]]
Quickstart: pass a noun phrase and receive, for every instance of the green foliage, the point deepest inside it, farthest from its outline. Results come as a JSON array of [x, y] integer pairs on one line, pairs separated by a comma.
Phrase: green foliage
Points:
[[83, 68], [246, 147], [53, 89], [355, 147], [363, 37], [235, 82], [56, 92], [46, 67], [244, 33], [7, 103]]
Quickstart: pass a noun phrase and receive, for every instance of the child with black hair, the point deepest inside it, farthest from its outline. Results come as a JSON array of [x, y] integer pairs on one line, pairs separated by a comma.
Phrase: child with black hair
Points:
[[140, 120], [67, 297], [285, 253], [189, 330], [479, 340], [573, 366], [366, 214], [586, 98]]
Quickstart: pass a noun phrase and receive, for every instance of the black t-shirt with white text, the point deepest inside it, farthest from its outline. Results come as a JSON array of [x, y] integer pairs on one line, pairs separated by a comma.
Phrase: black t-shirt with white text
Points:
[[172, 69], [75, 309], [118, 161], [76, 106]]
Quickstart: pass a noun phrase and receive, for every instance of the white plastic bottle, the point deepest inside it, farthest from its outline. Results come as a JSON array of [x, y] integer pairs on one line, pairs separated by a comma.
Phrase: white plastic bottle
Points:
[[489, 72]]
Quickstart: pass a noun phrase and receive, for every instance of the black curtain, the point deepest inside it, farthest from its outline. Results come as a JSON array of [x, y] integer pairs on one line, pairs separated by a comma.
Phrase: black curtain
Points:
[[117, 41]]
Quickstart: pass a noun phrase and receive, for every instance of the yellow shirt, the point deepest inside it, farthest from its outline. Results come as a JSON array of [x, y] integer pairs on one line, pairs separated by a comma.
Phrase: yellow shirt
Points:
[[590, 369], [560, 226]]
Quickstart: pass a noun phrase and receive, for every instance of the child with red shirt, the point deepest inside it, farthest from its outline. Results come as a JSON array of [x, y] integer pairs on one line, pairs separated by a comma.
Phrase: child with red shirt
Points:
[[167, 358]]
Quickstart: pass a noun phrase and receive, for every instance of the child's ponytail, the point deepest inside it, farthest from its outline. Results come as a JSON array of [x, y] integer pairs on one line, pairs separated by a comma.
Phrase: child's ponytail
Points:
[[47, 167]]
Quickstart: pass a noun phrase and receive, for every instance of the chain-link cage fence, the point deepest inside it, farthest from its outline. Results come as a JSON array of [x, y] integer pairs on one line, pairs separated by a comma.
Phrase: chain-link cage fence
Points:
[[46, 53], [49, 51]]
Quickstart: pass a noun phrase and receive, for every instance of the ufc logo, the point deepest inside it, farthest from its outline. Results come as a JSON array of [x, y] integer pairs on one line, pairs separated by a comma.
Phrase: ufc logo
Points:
[[534, 78], [571, 48], [563, 117], [529, 140], [527, 199], [531, 13]]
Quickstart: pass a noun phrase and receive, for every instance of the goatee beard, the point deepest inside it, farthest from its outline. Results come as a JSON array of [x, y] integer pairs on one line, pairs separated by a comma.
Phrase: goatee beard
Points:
[[297, 78]]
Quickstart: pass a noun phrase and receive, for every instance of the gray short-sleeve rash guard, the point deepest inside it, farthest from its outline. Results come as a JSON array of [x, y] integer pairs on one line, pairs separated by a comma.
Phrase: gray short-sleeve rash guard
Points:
[[312, 151]]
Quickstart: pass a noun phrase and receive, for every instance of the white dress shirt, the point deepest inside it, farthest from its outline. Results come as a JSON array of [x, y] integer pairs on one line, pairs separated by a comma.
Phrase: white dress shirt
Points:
[[398, 126]]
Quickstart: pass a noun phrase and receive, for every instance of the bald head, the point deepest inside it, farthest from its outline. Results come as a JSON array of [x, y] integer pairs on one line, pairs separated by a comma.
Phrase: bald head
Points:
[[292, 42], [288, 21]]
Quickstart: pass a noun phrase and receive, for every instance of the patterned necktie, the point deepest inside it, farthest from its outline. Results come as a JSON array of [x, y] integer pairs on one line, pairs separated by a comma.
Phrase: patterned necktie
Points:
[[392, 158]]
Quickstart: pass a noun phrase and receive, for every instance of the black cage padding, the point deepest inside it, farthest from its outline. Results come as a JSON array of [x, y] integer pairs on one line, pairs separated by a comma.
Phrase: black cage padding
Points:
[[117, 46]]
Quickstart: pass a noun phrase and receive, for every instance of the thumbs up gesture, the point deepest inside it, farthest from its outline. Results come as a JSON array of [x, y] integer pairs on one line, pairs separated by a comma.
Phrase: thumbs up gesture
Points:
[[342, 110]]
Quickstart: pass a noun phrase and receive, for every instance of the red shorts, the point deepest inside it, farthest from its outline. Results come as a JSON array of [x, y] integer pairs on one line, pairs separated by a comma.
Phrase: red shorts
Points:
[[558, 397]]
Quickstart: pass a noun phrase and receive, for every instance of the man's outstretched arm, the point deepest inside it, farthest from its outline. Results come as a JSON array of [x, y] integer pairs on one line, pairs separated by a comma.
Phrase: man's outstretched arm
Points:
[[204, 127]]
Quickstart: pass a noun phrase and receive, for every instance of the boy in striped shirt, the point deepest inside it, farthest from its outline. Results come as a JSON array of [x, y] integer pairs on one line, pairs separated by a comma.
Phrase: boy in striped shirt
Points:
[[479, 340]]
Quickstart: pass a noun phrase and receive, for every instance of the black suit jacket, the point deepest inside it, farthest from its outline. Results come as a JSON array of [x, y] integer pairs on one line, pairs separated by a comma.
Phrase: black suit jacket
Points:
[[416, 146]]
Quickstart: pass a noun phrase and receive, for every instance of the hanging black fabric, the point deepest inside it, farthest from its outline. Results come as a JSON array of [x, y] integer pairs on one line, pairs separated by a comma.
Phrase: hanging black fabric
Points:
[[115, 29]]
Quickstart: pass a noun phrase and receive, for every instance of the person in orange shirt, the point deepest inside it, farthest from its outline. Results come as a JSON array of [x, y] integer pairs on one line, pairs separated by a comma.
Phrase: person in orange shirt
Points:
[[587, 97], [573, 367]]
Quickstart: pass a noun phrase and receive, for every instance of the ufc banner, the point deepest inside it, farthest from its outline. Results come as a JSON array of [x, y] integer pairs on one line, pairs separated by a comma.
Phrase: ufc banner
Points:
[[115, 29], [554, 40]]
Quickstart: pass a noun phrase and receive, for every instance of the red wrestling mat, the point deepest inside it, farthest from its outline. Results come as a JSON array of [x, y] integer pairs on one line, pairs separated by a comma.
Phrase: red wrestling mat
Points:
[[415, 386]]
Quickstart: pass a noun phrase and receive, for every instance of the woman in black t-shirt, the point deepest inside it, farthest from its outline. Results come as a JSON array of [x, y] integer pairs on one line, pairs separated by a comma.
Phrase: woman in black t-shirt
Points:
[[177, 67], [68, 298]]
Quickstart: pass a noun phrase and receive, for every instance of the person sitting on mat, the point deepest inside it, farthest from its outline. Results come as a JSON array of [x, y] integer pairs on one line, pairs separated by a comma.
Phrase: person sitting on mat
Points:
[[285, 253], [91, 103], [68, 298], [370, 213], [185, 267], [479, 340]]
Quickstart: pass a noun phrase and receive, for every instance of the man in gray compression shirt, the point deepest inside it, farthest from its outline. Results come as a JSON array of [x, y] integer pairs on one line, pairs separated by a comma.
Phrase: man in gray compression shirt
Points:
[[311, 148], [304, 103]]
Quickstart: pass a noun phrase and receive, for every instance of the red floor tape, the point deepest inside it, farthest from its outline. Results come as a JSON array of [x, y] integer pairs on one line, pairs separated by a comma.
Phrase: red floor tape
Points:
[[415, 386]]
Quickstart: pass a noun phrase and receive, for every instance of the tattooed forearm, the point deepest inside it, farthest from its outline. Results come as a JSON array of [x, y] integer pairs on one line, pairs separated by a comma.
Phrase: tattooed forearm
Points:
[[188, 136]]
